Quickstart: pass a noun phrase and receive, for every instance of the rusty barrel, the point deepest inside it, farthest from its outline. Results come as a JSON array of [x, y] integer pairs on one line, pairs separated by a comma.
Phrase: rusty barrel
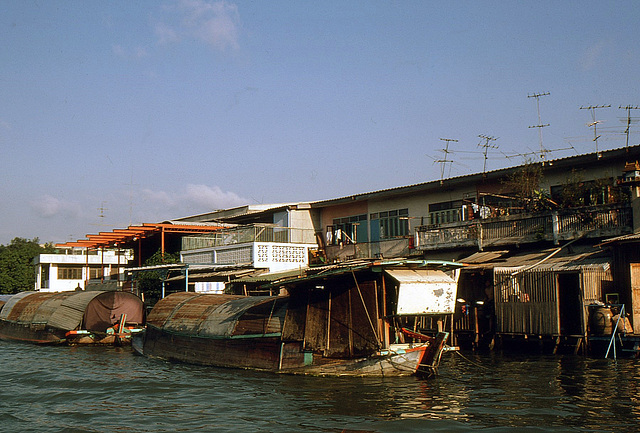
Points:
[[600, 320]]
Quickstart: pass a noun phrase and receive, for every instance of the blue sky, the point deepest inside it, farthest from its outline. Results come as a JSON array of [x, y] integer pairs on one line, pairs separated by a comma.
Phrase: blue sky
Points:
[[153, 110]]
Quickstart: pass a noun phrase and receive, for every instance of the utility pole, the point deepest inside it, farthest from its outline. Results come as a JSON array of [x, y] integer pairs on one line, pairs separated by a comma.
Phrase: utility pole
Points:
[[594, 122], [445, 160], [540, 125], [486, 145], [626, 131]]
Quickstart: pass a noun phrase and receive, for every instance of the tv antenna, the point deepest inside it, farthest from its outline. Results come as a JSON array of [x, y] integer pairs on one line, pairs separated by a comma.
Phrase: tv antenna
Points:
[[594, 122], [626, 131], [444, 161], [540, 125], [486, 146], [101, 209]]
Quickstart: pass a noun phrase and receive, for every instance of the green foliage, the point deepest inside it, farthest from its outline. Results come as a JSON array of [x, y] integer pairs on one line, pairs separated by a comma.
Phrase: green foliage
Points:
[[150, 282], [524, 185], [16, 264]]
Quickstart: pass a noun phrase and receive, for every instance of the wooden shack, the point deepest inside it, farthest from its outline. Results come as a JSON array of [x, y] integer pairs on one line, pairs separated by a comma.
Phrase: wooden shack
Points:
[[538, 295]]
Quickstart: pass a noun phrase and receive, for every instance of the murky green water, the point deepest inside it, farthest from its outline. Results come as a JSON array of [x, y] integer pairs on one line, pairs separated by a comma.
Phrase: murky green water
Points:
[[62, 389]]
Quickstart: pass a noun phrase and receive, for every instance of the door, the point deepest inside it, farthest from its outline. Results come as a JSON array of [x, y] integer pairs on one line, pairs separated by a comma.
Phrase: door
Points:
[[570, 304], [635, 296]]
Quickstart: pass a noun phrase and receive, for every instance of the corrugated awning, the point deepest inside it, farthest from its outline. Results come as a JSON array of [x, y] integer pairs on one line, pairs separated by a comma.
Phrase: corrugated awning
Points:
[[424, 291], [551, 258]]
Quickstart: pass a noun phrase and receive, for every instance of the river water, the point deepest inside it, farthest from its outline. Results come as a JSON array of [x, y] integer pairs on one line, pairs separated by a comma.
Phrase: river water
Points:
[[92, 389]]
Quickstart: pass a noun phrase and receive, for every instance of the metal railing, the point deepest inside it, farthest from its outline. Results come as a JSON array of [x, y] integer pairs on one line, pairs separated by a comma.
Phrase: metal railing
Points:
[[565, 224], [248, 234]]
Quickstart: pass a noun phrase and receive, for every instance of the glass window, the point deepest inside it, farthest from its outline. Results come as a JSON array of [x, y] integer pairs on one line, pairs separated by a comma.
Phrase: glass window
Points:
[[69, 272]]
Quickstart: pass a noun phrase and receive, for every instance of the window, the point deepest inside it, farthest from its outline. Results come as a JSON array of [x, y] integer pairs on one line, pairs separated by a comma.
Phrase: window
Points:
[[69, 272], [95, 273], [445, 212], [350, 229], [392, 224]]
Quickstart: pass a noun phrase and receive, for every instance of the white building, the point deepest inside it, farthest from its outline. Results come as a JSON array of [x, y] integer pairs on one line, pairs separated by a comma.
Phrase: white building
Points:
[[76, 266], [273, 237]]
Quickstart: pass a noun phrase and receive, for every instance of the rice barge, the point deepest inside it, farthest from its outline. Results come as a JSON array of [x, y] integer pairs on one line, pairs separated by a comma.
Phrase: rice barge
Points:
[[78, 317], [368, 318]]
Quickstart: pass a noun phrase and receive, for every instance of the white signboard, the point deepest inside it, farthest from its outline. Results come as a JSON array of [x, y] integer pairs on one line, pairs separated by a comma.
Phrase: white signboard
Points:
[[424, 292]]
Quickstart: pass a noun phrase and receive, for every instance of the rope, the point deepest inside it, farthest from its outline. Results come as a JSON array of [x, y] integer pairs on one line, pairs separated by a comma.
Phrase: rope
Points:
[[470, 361]]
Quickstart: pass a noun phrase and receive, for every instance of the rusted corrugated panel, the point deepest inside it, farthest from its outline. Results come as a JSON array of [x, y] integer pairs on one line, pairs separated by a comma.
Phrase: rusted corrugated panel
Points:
[[221, 321], [23, 311], [526, 302], [187, 316], [71, 311], [164, 307], [264, 318], [8, 307], [49, 306]]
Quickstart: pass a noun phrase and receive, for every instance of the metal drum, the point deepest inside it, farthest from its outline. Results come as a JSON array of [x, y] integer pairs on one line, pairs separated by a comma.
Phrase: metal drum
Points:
[[600, 320]]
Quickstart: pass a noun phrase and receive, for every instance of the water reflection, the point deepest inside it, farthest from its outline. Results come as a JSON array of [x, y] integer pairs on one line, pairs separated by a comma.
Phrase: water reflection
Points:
[[98, 389]]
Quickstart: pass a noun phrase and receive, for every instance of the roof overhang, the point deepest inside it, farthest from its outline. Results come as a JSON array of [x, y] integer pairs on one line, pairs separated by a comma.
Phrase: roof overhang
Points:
[[120, 237]]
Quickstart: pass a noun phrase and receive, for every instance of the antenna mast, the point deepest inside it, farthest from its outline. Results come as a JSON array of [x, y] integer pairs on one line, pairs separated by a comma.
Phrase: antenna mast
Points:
[[626, 131], [445, 160], [594, 122], [540, 125], [487, 139]]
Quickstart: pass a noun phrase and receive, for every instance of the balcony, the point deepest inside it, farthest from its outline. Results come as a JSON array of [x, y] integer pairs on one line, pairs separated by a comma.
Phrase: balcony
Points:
[[388, 248], [249, 234], [260, 245], [553, 226]]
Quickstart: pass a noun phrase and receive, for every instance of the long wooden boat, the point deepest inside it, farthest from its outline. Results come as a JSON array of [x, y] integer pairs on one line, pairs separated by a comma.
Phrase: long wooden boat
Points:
[[345, 321], [77, 317]]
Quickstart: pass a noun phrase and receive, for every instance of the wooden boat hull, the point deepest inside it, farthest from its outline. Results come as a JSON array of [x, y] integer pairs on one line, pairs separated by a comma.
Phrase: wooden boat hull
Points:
[[30, 333], [270, 353]]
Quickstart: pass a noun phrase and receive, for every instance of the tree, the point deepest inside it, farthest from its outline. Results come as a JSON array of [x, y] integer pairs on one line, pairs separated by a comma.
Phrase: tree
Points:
[[150, 282], [524, 184], [16, 264]]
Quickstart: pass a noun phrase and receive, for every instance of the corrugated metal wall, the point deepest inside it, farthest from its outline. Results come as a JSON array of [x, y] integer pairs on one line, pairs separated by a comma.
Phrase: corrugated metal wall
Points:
[[527, 302]]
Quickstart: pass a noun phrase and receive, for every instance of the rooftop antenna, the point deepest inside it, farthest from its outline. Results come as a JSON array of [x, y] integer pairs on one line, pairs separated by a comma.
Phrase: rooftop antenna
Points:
[[101, 209], [594, 122], [445, 160], [626, 131], [540, 125], [486, 145]]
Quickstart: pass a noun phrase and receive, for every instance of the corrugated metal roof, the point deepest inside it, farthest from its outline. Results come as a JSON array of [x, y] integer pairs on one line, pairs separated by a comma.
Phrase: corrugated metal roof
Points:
[[204, 315], [553, 164], [61, 310], [69, 314], [576, 257], [8, 307]]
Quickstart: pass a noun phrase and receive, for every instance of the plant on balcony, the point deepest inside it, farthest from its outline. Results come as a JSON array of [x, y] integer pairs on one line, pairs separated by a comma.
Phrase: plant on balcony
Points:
[[524, 186]]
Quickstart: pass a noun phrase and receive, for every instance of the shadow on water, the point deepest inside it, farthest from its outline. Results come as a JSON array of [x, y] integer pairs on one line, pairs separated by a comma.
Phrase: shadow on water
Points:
[[88, 389]]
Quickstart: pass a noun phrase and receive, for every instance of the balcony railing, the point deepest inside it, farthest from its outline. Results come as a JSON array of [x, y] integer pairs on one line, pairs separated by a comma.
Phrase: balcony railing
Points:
[[566, 224], [249, 234], [388, 248]]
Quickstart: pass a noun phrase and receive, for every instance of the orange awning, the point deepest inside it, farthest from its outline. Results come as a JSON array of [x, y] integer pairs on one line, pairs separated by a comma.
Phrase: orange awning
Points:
[[118, 237]]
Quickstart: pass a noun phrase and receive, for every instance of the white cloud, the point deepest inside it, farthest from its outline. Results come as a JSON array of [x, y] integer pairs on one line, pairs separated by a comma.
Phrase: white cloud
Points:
[[135, 53], [214, 23], [48, 206], [198, 198], [592, 56]]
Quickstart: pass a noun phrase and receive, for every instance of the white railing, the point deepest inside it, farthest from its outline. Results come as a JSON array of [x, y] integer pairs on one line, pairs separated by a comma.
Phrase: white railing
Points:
[[249, 234]]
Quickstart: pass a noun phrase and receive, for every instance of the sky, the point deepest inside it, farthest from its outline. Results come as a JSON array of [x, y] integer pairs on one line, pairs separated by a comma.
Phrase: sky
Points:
[[118, 113]]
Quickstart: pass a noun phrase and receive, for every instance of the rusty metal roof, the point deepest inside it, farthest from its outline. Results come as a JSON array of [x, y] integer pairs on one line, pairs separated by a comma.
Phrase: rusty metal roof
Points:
[[207, 315], [542, 259], [61, 310]]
